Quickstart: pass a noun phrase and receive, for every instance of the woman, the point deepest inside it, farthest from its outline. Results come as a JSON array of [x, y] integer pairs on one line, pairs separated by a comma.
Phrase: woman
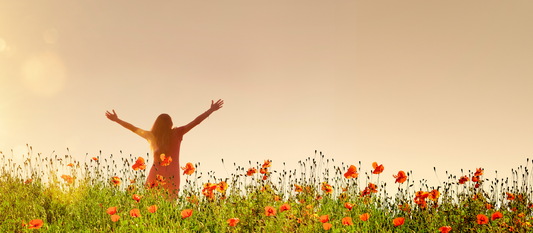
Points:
[[165, 143]]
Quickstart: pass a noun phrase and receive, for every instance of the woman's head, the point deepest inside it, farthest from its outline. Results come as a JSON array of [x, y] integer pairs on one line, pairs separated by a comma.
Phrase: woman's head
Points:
[[162, 130]]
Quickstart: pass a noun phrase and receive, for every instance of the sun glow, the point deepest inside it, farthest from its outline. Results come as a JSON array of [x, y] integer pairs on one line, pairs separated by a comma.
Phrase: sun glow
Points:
[[44, 74]]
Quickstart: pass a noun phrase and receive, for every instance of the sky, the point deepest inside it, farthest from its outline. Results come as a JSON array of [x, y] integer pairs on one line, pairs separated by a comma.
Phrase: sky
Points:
[[411, 85]]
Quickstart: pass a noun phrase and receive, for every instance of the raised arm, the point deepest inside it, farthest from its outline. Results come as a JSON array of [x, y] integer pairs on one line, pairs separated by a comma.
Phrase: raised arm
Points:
[[214, 107], [113, 117]]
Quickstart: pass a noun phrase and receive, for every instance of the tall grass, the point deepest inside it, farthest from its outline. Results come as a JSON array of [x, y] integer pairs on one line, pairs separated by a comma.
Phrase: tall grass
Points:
[[76, 196]]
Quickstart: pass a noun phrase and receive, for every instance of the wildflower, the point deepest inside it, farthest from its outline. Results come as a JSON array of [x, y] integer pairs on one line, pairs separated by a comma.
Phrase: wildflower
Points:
[[135, 213], [188, 169], [463, 179], [298, 188], [139, 164], [115, 180], [270, 211], [377, 169], [489, 206], [35, 224], [70, 165], [324, 218], [372, 187], [318, 197], [327, 226], [265, 177], [404, 207], [251, 171], [222, 186], [475, 178], [400, 178], [510, 196], [276, 198], [95, 159], [115, 218], [398, 221], [112, 210], [68, 178], [266, 164], [445, 229], [347, 221], [482, 219], [137, 198], [160, 180], [327, 188], [344, 189], [152, 208], [233, 221], [165, 161], [434, 195], [364, 217], [193, 199], [479, 172], [496, 215], [348, 206], [351, 173], [186, 213], [262, 170], [28, 181], [520, 215], [284, 207]]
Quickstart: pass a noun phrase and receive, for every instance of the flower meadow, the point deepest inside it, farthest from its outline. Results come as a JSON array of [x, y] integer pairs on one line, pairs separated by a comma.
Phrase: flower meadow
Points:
[[59, 194]]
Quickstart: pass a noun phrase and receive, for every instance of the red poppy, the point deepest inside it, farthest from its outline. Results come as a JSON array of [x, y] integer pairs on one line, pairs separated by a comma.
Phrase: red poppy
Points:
[[276, 198], [398, 221], [434, 195], [347, 221], [351, 173], [28, 181], [115, 180], [266, 164], [137, 198], [479, 172], [327, 226], [463, 179], [95, 159], [401, 177], [262, 170], [324, 218], [233, 221], [482, 219], [135, 213], [364, 216], [139, 164], [251, 171], [348, 206], [510, 196], [70, 165], [270, 211], [165, 161], [68, 178], [115, 218], [35, 224], [186, 213], [377, 169], [445, 229], [284, 207], [298, 188], [112, 210], [327, 188], [496, 215], [152, 208], [188, 169], [222, 186]]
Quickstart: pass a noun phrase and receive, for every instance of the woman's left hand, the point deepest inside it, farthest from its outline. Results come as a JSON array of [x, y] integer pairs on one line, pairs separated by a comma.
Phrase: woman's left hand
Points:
[[217, 105]]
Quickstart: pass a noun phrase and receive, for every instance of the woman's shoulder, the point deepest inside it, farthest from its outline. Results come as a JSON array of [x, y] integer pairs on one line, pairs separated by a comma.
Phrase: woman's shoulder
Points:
[[179, 130]]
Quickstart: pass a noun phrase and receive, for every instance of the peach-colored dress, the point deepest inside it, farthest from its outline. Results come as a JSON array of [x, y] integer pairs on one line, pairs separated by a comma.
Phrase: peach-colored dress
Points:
[[170, 173]]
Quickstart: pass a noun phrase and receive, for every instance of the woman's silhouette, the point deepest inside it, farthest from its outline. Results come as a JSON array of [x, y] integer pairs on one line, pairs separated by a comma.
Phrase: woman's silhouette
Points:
[[164, 139]]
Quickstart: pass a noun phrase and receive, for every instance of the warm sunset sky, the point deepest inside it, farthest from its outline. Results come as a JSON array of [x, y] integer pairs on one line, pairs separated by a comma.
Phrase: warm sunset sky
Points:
[[410, 84]]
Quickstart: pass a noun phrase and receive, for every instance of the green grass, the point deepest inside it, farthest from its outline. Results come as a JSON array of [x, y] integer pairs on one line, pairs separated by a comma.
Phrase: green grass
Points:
[[81, 206]]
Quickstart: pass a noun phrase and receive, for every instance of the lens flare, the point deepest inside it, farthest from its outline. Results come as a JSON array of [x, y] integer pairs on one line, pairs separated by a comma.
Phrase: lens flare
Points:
[[51, 36], [44, 74], [2, 44]]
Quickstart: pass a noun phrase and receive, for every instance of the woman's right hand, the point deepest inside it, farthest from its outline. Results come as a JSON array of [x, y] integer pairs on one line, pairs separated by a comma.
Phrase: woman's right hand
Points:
[[111, 116]]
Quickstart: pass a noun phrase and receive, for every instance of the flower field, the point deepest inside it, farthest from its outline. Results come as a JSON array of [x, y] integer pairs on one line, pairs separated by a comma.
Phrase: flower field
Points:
[[59, 194]]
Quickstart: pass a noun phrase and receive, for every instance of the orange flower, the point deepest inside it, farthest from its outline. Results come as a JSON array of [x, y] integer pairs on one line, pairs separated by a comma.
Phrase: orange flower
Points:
[[266, 164], [276, 198], [251, 171], [70, 165], [139, 164], [95, 159], [351, 173], [348, 206], [401, 177], [489, 206], [165, 161], [68, 178], [222, 186], [445, 229], [35, 224], [28, 181], [377, 169], [479, 172], [510, 196], [347, 221], [364, 216], [327, 226], [186, 213], [137, 198], [115, 180], [135, 213], [324, 218], [270, 211], [233, 221], [152, 208], [284, 207], [327, 188], [463, 179], [496, 215], [262, 170], [475, 178], [298, 188], [482, 219], [398, 221], [434, 195], [193, 199], [115, 218], [188, 169], [112, 210]]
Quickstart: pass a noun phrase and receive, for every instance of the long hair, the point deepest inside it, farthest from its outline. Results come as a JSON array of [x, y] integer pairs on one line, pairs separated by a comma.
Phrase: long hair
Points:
[[162, 130]]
